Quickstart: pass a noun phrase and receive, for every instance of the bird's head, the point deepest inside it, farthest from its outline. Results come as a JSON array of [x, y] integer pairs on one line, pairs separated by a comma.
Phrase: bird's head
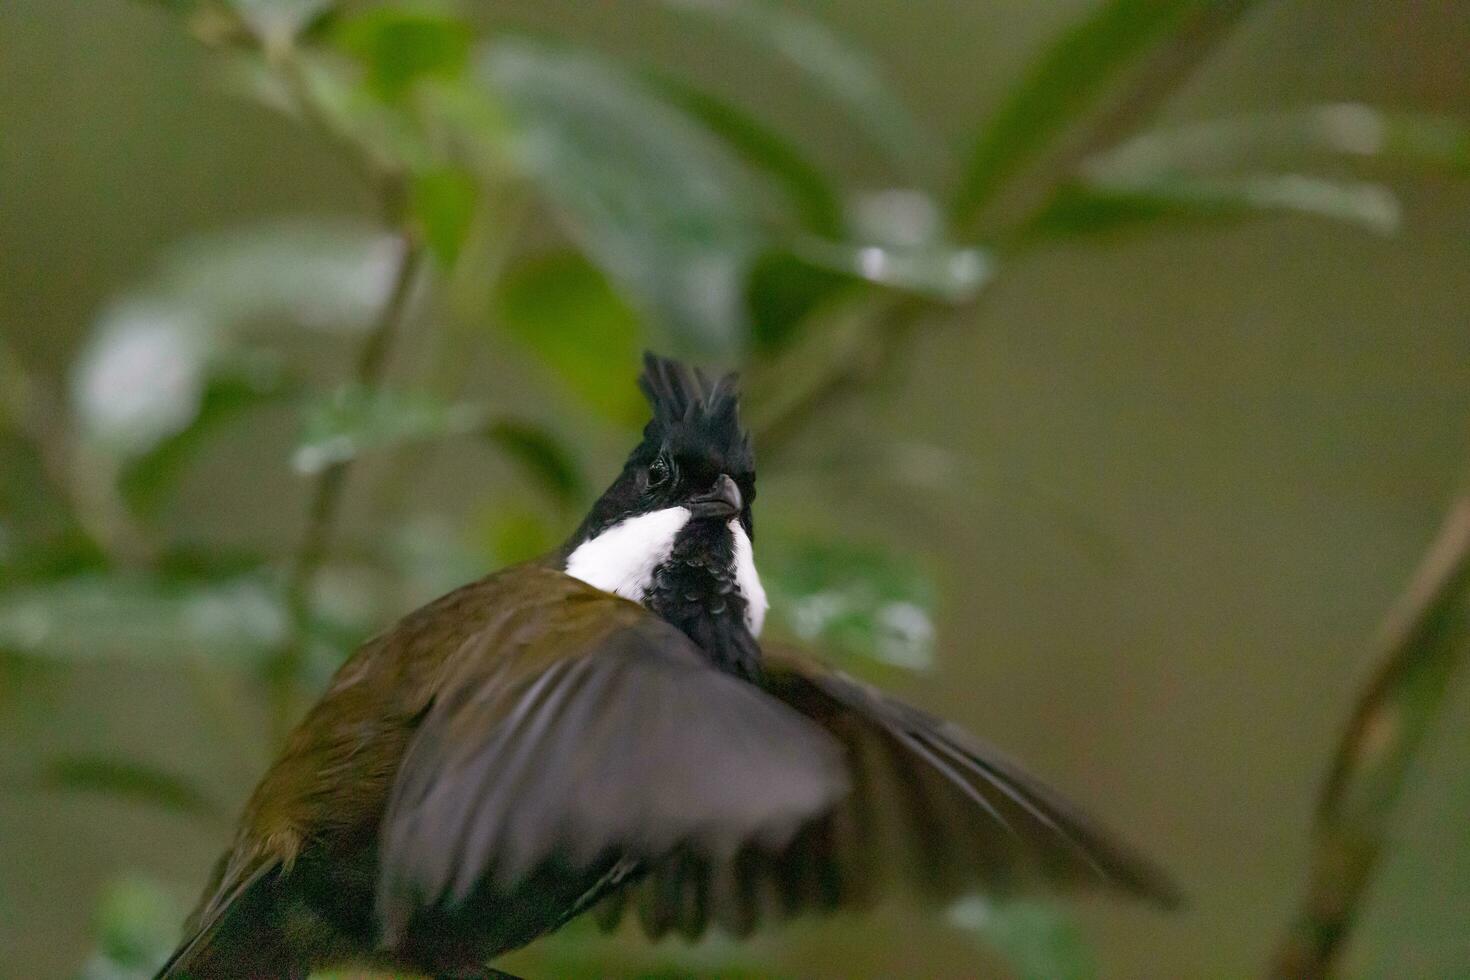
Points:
[[674, 530]]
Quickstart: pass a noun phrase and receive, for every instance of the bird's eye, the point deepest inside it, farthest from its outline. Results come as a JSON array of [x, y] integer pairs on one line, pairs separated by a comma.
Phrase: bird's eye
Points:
[[659, 472]]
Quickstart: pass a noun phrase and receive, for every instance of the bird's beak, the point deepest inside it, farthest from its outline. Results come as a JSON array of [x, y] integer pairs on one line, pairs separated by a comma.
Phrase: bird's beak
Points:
[[722, 500]]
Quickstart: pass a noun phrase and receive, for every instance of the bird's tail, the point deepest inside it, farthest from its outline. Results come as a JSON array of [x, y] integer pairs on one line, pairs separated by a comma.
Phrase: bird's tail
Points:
[[236, 938]]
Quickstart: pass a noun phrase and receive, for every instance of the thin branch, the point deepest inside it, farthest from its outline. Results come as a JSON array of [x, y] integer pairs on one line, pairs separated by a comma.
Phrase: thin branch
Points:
[[1424, 640], [82, 481], [327, 494]]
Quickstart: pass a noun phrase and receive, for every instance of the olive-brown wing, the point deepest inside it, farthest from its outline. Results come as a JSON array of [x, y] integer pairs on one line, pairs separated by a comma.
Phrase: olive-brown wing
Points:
[[597, 733]]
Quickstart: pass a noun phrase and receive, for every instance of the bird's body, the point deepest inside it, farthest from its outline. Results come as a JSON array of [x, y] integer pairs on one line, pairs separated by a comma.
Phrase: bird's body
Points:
[[601, 729]]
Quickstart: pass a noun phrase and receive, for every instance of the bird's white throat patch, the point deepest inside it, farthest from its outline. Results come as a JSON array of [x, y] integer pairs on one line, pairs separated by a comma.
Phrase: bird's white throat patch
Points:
[[747, 581], [623, 558]]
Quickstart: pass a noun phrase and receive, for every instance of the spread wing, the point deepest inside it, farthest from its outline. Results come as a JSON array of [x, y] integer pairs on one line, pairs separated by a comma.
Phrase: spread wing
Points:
[[932, 809], [596, 733]]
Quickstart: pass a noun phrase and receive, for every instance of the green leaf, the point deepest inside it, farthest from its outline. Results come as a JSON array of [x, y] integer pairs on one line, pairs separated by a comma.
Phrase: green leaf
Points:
[[137, 924], [1040, 940], [323, 275], [1253, 141], [783, 291], [1082, 210], [943, 272], [234, 390], [354, 420], [1071, 76], [141, 377], [400, 46], [127, 780], [860, 601], [806, 187], [146, 370], [899, 241], [845, 74], [140, 618], [545, 457], [277, 22], [561, 308], [443, 203], [655, 200]]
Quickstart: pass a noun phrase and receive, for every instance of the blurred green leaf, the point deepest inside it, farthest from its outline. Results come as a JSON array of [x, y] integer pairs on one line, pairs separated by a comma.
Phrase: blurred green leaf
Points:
[[324, 275], [354, 420], [1253, 141], [137, 926], [401, 45], [938, 271], [325, 91], [860, 601], [443, 202], [561, 308], [1071, 75], [98, 617], [127, 780], [898, 240], [655, 200], [1089, 210], [845, 74], [277, 22], [237, 388], [142, 375], [544, 457], [808, 189], [783, 291], [1040, 940], [145, 373]]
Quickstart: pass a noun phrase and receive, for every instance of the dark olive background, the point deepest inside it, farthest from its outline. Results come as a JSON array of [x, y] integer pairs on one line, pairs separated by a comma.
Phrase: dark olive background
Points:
[[1201, 463]]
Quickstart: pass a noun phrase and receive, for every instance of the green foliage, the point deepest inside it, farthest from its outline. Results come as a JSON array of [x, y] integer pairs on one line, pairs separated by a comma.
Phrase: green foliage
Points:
[[444, 201], [142, 618], [137, 925], [561, 308], [651, 197], [354, 420], [1071, 75], [125, 780], [1038, 939], [844, 74], [400, 46], [865, 603]]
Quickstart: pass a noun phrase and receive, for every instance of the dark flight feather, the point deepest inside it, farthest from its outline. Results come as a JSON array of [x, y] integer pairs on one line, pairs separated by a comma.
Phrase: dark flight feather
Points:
[[931, 807]]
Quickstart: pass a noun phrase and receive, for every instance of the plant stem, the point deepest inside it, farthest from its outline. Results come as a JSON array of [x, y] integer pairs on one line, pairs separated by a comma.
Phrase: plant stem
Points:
[[1424, 640], [83, 482], [327, 493]]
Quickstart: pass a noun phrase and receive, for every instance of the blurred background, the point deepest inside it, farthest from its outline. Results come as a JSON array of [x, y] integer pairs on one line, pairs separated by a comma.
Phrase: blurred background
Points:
[[1108, 362]]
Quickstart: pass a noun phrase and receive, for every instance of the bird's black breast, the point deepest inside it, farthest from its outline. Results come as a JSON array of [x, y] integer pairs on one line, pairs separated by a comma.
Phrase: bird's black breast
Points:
[[695, 590]]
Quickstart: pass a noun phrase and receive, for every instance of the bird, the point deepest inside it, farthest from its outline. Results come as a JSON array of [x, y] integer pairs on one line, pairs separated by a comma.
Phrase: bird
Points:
[[601, 731]]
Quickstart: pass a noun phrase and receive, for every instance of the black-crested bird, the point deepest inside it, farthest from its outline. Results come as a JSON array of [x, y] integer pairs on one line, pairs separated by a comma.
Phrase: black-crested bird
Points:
[[599, 730]]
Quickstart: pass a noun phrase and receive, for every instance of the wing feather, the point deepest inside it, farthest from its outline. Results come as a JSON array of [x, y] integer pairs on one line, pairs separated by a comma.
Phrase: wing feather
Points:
[[587, 740], [931, 808]]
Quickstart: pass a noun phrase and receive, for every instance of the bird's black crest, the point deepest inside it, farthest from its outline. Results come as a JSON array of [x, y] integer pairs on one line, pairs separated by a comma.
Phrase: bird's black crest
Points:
[[691, 413]]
